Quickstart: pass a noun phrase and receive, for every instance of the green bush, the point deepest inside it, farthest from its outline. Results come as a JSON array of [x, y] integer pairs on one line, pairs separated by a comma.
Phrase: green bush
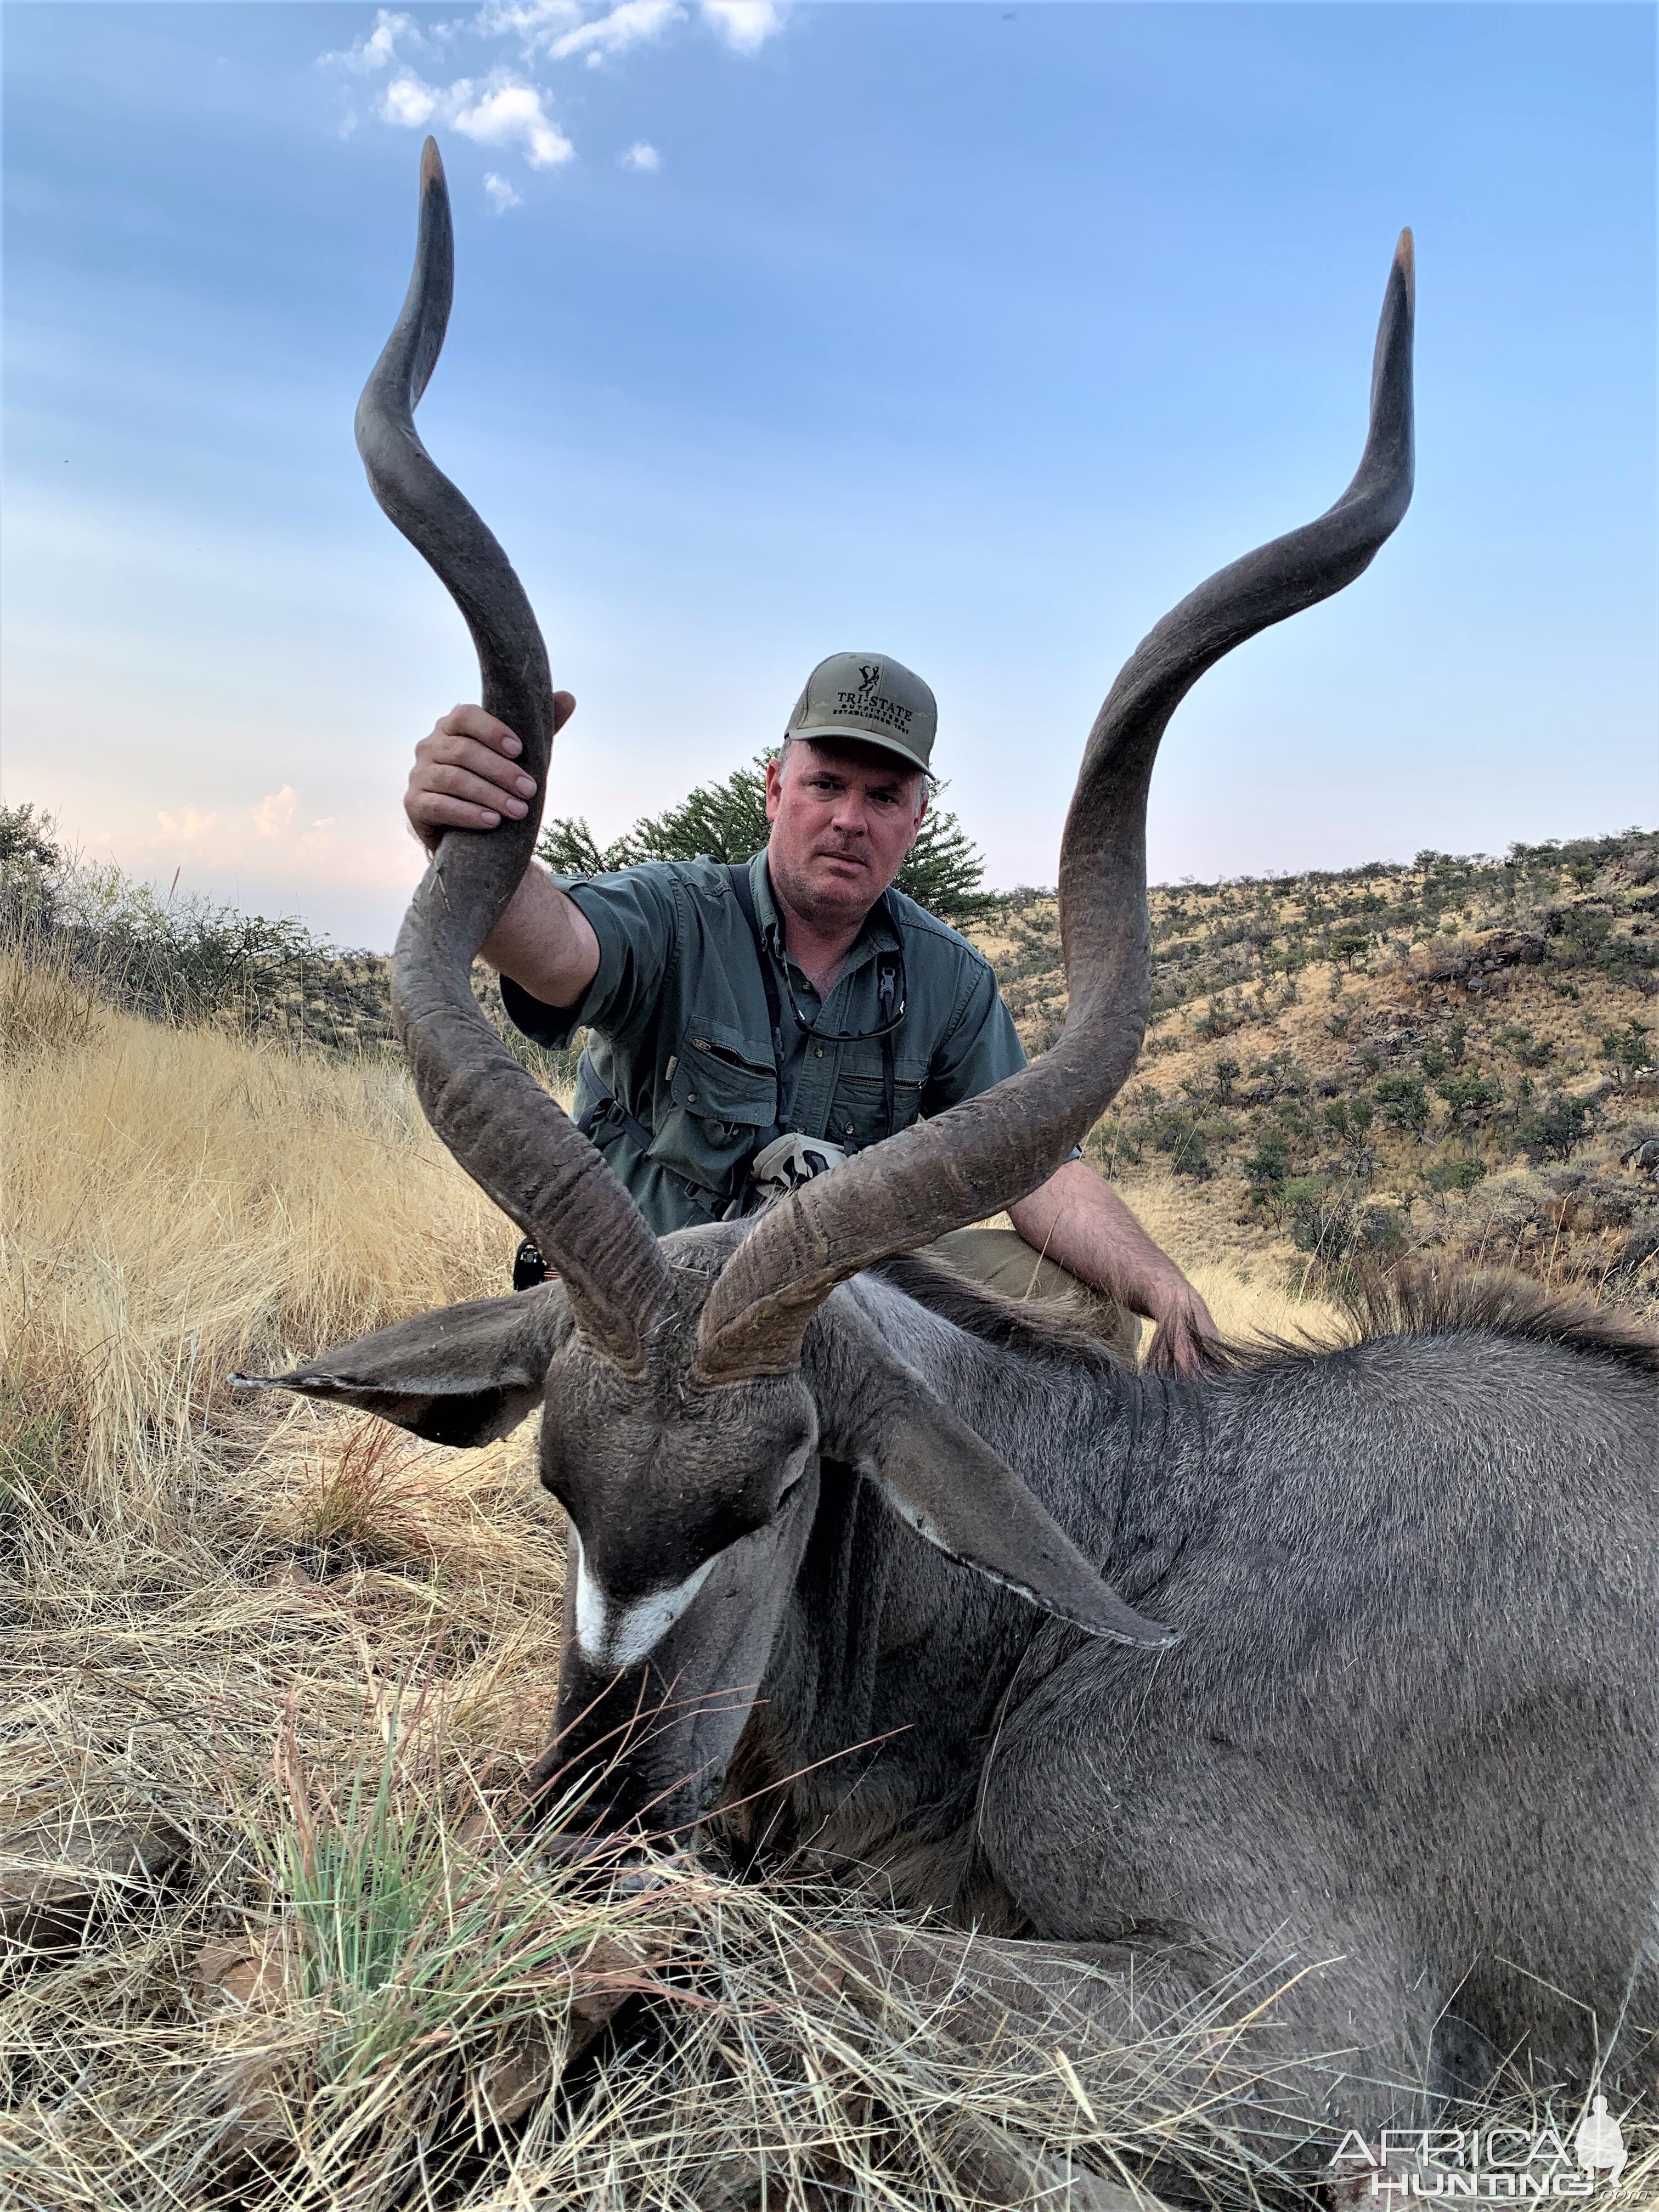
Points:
[[1551, 1131], [1268, 1166], [1468, 1095], [1443, 1175], [1405, 1103], [1522, 1046], [1627, 1051]]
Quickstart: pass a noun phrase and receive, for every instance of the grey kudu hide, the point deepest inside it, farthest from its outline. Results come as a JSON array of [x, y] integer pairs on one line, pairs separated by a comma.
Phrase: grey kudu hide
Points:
[[1332, 1676]]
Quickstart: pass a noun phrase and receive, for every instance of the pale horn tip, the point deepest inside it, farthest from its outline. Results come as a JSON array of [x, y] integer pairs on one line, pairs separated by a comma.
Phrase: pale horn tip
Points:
[[1404, 260], [432, 165]]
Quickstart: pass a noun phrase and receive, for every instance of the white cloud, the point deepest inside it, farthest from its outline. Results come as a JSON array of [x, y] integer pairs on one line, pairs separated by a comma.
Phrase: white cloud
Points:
[[631, 23], [407, 100], [275, 812], [536, 22], [746, 25], [378, 50], [505, 110], [502, 194], [190, 827], [502, 109]]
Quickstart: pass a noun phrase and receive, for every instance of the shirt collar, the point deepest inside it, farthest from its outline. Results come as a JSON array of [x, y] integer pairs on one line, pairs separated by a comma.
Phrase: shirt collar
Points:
[[875, 936]]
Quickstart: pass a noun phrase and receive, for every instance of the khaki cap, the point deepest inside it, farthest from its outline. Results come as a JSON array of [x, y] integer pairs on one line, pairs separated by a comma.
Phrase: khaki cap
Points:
[[872, 699]]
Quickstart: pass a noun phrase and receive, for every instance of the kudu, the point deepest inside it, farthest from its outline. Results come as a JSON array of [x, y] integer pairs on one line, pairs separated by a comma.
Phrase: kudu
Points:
[[1392, 1733]]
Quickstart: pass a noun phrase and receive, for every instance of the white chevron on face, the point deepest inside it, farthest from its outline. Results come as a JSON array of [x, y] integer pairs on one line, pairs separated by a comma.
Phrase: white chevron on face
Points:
[[609, 1635]]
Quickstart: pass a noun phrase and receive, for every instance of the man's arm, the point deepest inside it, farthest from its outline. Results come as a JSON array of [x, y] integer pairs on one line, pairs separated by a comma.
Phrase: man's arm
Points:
[[1078, 1220], [466, 777]]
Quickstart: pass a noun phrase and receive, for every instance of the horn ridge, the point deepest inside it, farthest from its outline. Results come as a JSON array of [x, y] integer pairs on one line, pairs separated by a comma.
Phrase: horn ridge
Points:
[[993, 1150], [512, 1139]]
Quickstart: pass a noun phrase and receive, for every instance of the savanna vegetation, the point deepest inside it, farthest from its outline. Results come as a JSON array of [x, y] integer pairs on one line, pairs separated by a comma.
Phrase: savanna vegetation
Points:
[[269, 1672]]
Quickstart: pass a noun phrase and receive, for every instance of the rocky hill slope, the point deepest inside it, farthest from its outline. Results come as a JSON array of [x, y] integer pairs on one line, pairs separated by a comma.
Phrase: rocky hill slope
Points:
[[1456, 1055]]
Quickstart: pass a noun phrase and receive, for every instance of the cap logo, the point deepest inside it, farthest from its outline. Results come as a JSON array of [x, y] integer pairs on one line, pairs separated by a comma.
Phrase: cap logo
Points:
[[867, 701]]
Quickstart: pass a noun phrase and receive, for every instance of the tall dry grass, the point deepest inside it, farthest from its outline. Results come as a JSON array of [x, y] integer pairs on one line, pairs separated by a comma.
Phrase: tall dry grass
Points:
[[179, 1204], [303, 1656]]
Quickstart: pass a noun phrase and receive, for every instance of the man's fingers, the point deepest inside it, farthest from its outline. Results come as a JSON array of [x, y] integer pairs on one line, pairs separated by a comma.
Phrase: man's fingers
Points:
[[1185, 1346], [466, 773], [438, 812], [470, 721], [473, 722], [439, 757], [452, 782]]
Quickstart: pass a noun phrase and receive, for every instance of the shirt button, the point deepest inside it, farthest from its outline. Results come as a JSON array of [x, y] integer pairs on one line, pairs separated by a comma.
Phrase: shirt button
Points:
[[817, 1052]]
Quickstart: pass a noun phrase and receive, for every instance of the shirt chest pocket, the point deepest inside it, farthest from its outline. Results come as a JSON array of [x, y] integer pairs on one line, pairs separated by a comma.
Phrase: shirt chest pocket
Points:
[[722, 1102], [858, 1114]]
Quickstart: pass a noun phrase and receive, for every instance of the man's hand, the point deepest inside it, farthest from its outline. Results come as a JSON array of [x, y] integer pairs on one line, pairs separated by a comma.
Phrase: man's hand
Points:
[[1079, 1220], [466, 775], [1188, 1341]]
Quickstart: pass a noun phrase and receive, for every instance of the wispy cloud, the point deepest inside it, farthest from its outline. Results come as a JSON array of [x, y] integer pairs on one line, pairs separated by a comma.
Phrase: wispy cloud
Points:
[[261, 836], [507, 107], [377, 49], [536, 22], [190, 827], [275, 812], [631, 23], [746, 25], [499, 109]]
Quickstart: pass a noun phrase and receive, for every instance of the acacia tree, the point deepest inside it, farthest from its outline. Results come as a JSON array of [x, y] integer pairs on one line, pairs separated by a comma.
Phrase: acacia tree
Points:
[[727, 821]]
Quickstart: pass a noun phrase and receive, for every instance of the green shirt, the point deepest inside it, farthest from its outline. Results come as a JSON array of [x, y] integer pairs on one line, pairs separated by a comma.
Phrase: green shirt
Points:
[[678, 1033]]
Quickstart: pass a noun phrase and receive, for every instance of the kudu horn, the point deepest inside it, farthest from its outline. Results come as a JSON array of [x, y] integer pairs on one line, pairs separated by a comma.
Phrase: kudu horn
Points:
[[995, 1149], [510, 1137]]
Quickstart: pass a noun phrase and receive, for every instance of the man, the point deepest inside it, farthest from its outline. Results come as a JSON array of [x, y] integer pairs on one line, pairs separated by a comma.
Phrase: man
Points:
[[748, 1026]]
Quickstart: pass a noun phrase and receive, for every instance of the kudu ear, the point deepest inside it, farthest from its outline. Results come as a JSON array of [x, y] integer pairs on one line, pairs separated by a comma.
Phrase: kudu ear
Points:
[[946, 1481], [463, 1376]]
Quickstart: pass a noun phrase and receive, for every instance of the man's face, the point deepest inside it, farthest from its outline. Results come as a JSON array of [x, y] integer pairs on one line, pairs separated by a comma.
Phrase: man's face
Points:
[[843, 817]]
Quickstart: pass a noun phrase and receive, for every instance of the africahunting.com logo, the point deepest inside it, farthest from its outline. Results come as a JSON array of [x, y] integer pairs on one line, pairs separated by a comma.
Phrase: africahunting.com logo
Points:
[[1507, 2165]]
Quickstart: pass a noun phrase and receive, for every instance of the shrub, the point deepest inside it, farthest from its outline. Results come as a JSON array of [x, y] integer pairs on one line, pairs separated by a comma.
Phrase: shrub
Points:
[[1466, 1096], [1550, 1131], [1268, 1166], [1627, 1051], [1444, 1176], [1405, 1103], [1522, 1046]]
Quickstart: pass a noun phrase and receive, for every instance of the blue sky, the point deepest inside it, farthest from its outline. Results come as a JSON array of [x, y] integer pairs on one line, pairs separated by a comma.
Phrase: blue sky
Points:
[[973, 335]]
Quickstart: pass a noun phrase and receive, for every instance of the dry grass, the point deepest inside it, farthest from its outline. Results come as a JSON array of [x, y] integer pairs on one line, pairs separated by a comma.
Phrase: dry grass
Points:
[[177, 1205], [317, 1653]]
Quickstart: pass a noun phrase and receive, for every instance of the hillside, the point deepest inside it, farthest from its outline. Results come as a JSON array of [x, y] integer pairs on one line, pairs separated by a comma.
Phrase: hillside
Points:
[[1453, 1056]]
